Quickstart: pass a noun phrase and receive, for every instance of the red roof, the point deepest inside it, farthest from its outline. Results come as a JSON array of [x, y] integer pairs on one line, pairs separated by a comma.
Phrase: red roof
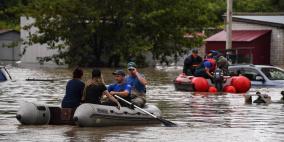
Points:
[[239, 35]]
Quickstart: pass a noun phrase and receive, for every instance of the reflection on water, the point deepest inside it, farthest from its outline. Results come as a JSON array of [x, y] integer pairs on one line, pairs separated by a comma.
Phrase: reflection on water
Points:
[[206, 117]]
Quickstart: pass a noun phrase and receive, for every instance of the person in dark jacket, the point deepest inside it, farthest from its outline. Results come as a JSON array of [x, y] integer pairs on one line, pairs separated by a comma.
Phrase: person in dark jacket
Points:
[[191, 62], [74, 90]]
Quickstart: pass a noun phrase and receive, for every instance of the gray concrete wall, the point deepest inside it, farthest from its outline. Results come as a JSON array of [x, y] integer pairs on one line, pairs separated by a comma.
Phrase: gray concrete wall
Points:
[[277, 40], [10, 46]]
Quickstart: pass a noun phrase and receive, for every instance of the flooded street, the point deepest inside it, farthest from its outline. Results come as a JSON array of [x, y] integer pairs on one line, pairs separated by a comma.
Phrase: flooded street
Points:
[[201, 118]]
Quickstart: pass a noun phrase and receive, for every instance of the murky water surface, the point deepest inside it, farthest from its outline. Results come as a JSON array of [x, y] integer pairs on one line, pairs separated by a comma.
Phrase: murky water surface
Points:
[[201, 118]]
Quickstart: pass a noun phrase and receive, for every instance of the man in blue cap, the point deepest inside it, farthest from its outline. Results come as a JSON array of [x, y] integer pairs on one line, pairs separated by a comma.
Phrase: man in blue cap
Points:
[[120, 88], [138, 85]]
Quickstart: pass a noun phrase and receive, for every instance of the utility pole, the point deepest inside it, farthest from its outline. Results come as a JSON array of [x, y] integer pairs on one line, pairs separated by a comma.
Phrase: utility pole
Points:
[[229, 24]]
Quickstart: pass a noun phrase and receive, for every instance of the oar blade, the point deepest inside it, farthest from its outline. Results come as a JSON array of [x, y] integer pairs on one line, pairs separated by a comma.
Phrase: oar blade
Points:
[[166, 122]]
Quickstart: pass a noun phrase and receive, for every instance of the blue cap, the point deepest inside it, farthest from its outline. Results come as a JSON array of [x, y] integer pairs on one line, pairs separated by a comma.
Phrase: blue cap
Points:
[[214, 52], [119, 72]]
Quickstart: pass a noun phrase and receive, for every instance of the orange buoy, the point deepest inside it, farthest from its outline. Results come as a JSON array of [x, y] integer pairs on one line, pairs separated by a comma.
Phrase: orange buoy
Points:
[[241, 83], [200, 84], [212, 89], [229, 89], [233, 78]]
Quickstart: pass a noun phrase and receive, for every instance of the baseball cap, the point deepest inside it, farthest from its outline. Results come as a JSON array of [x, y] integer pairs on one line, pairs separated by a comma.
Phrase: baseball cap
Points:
[[119, 72], [131, 65], [194, 50], [214, 52]]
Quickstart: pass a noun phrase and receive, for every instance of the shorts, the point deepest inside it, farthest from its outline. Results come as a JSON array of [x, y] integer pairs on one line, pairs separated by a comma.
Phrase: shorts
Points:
[[139, 101]]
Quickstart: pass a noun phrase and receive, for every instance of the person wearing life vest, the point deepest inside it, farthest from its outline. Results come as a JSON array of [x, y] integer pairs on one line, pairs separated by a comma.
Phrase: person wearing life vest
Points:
[[221, 61], [191, 62], [206, 68]]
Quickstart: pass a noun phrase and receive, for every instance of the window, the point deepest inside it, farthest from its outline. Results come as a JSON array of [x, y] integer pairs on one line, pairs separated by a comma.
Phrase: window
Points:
[[273, 73], [249, 73], [2, 76], [233, 71]]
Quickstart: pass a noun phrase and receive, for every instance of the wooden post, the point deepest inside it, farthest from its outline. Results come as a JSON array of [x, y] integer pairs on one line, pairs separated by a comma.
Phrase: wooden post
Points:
[[229, 25]]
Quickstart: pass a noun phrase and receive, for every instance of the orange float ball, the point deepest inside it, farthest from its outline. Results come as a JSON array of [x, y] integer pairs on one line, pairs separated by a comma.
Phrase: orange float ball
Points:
[[233, 78], [241, 83], [230, 89], [212, 89], [200, 84]]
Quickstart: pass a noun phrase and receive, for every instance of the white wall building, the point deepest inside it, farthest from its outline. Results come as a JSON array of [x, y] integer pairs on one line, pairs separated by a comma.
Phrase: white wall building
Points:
[[274, 22], [33, 51], [9, 46]]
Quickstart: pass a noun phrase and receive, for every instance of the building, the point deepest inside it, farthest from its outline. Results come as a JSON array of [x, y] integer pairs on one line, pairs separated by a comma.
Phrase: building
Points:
[[250, 24], [9, 46], [32, 53], [249, 46]]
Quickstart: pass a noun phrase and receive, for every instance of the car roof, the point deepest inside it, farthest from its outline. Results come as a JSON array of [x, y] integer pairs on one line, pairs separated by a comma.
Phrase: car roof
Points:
[[251, 65]]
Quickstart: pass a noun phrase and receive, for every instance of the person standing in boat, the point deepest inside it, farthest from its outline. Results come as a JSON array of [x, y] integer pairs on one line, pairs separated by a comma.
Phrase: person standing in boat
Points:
[[120, 88], [191, 62], [206, 68], [74, 90], [96, 88], [221, 62], [138, 85]]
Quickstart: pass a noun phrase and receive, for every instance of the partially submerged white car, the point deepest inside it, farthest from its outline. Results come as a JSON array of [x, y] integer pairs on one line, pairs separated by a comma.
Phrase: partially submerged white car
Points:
[[260, 75], [4, 75]]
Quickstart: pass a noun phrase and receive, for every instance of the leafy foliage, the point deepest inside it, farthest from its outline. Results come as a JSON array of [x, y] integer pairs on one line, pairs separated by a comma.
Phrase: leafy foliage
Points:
[[90, 29], [87, 31]]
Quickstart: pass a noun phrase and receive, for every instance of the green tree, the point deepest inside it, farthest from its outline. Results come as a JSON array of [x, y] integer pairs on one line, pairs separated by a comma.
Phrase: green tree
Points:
[[90, 29], [10, 12], [258, 5]]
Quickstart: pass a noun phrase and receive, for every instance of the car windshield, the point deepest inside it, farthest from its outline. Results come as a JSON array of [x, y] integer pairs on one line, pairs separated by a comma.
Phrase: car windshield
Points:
[[2, 76], [273, 73]]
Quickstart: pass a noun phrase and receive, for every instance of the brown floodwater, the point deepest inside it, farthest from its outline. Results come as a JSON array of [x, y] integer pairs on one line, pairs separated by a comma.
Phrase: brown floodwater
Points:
[[201, 118]]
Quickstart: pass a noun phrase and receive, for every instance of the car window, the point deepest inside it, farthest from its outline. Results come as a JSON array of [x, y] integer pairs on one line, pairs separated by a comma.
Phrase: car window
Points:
[[233, 71], [249, 73], [2, 76], [273, 73]]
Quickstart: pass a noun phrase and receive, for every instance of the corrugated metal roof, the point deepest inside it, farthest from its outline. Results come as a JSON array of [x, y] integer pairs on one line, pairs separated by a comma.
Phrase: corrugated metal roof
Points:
[[239, 35], [270, 19]]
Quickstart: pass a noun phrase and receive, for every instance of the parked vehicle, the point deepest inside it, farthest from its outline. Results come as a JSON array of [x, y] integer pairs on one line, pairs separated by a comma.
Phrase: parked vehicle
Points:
[[260, 75], [4, 75]]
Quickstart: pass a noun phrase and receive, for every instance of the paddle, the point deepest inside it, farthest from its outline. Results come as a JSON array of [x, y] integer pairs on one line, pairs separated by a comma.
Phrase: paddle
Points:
[[165, 122], [40, 79]]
